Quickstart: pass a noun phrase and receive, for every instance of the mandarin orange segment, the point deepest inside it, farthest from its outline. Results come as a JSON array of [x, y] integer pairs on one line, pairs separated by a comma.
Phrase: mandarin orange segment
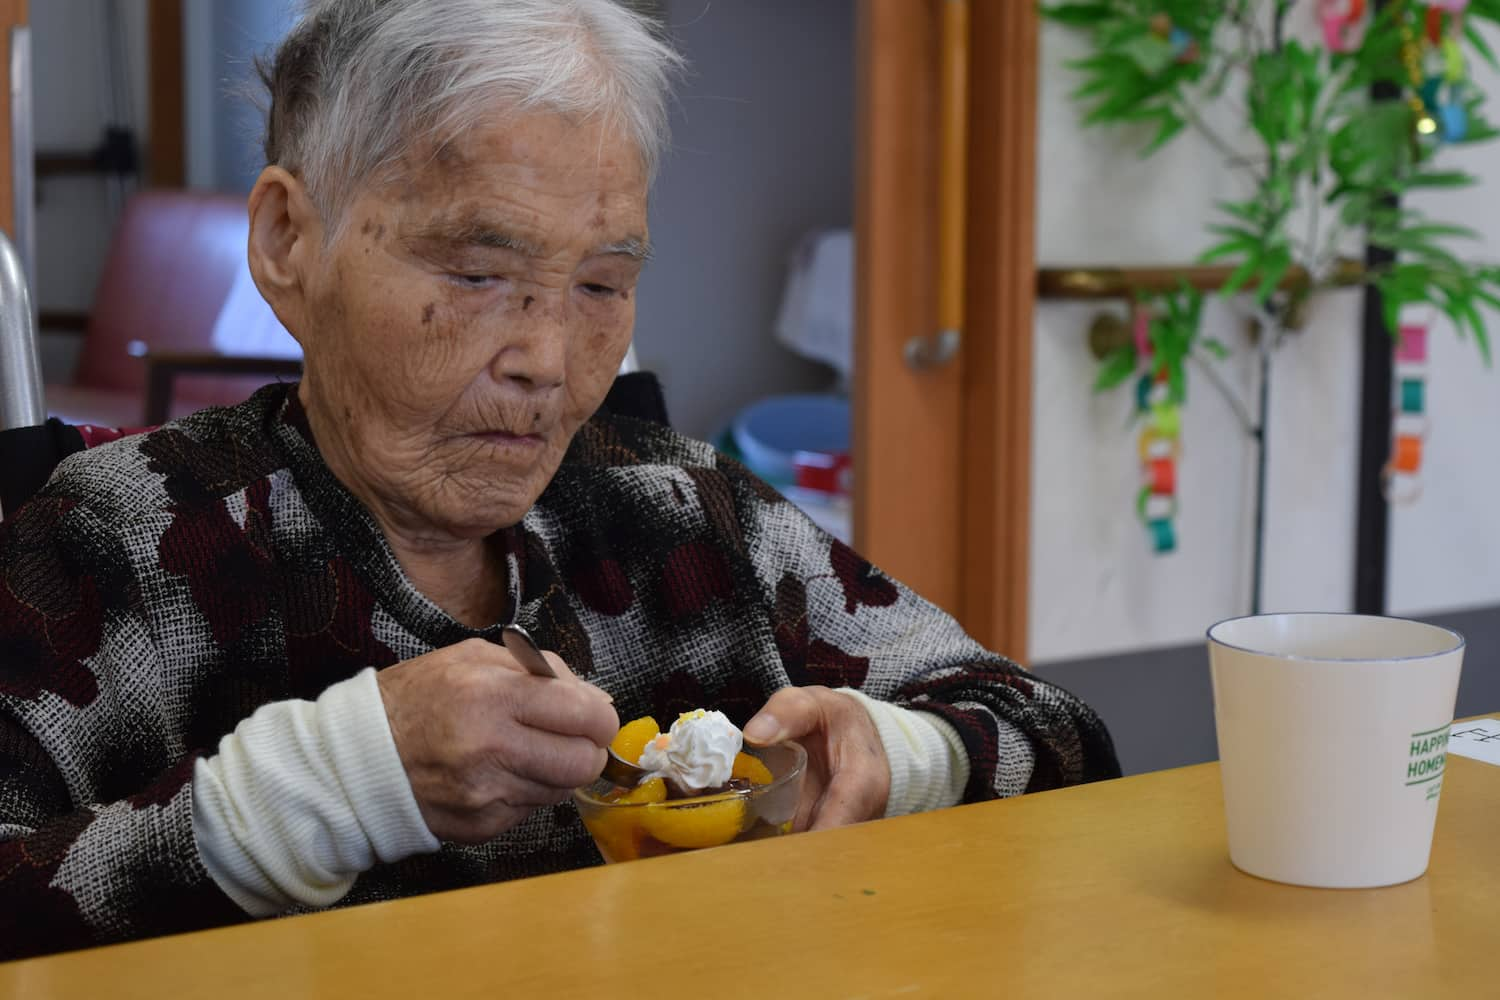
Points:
[[717, 821], [751, 769], [616, 834], [633, 737], [654, 790]]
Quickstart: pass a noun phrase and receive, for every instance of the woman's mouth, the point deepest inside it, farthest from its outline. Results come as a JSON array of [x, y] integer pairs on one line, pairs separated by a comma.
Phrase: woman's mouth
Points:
[[509, 440]]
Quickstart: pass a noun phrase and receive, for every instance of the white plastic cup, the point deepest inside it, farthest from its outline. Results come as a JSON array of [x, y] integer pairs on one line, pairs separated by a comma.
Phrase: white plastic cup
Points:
[[1333, 734]]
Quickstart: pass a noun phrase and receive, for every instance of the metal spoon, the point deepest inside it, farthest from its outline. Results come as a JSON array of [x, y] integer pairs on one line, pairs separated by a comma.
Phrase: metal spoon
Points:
[[519, 643]]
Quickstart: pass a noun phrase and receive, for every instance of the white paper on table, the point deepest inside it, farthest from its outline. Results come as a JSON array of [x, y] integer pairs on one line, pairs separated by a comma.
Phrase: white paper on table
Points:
[[1479, 739]]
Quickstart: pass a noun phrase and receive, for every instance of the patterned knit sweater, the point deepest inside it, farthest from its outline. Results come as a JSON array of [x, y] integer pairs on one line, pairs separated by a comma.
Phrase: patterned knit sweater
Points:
[[163, 587]]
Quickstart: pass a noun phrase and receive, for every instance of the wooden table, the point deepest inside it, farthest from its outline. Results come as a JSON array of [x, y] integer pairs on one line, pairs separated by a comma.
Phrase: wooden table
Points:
[[1121, 889]]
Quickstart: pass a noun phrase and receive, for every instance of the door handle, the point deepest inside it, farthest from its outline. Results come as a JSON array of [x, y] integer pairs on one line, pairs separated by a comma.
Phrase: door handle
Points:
[[926, 353]]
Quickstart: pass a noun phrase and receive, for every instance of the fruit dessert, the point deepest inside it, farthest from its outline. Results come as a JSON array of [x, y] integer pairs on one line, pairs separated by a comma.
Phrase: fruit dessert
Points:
[[702, 789]]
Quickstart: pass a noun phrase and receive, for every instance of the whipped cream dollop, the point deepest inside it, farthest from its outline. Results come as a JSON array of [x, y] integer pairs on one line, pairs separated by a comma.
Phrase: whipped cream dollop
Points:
[[696, 753]]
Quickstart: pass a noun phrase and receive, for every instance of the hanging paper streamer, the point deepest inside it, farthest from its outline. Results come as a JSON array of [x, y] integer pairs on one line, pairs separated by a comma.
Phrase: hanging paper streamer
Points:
[[1438, 76], [1159, 444], [1399, 479], [1437, 73]]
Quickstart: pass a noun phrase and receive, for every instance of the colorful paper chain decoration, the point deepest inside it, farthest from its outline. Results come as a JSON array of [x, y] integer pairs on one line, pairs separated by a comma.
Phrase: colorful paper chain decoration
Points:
[[1434, 62], [1437, 72], [1410, 424], [1160, 443]]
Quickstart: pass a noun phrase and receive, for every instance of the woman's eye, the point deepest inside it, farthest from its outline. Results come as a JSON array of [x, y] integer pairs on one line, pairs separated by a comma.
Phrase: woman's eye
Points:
[[598, 290], [474, 280]]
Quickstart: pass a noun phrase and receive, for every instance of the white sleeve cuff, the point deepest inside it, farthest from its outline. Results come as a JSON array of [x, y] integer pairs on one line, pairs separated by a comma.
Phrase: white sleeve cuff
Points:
[[302, 797], [929, 766]]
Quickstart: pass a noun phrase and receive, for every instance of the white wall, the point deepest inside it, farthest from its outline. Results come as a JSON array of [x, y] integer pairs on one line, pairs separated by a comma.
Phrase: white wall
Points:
[[1096, 587], [762, 151]]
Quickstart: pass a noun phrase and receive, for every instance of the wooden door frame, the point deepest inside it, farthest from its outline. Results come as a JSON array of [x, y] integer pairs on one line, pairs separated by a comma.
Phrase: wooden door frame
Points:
[[12, 14], [907, 454], [1000, 304], [943, 458], [166, 156]]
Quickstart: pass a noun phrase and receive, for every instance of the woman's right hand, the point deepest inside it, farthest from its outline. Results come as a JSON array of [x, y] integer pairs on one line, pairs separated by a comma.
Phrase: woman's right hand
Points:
[[484, 742]]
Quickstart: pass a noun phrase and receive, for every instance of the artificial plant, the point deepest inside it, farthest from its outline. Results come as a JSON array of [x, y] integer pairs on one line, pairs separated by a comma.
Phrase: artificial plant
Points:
[[1322, 144], [1334, 133]]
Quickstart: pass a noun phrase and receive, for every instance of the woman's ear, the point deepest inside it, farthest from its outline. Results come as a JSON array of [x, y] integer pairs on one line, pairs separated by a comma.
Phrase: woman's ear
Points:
[[286, 233]]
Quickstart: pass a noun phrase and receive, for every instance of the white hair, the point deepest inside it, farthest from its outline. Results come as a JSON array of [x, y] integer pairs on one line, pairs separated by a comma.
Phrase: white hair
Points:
[[360, 85]]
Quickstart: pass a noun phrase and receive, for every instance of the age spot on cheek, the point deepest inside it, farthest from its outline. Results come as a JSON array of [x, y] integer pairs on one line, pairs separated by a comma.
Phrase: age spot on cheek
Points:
[[526, 302], [427, 312]]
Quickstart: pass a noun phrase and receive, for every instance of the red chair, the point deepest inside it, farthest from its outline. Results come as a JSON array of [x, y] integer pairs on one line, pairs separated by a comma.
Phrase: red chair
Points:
[[174, 260]]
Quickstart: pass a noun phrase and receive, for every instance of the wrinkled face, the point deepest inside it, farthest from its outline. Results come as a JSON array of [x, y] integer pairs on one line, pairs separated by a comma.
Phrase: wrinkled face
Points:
[[470, 317]]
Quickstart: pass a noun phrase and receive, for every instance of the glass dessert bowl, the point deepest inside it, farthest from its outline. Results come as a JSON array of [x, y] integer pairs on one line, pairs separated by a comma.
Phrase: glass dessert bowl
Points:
[[658, 817]]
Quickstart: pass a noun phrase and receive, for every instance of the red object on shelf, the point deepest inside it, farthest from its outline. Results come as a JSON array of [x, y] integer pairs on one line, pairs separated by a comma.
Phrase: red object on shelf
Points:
[[826, 473]]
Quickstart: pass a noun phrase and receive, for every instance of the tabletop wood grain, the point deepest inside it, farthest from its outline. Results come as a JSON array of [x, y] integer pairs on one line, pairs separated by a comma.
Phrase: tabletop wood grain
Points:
[[1119, 889]]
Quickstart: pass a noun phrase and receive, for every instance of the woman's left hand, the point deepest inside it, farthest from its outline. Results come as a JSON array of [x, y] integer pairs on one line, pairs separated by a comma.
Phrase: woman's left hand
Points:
[[848, 779]]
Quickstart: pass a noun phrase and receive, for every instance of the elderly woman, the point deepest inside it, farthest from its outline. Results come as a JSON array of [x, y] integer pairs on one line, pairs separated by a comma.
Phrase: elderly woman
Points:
[[249, 661]]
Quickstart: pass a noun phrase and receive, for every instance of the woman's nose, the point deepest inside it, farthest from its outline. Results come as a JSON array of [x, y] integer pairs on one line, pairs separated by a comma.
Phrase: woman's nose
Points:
[[535, 346]]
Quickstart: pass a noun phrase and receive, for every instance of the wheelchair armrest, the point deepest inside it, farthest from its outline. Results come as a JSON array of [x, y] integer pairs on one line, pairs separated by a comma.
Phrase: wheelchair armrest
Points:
[[163, 367]]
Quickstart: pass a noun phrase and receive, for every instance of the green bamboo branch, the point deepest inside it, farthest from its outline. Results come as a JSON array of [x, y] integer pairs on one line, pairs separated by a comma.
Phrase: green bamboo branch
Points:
[[1324, 146]]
